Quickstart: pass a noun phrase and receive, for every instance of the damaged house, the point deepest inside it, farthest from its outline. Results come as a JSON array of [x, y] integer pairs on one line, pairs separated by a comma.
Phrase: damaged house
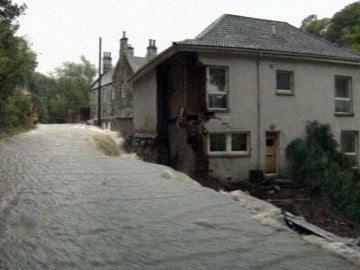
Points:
[[117, 92], [229, 101]]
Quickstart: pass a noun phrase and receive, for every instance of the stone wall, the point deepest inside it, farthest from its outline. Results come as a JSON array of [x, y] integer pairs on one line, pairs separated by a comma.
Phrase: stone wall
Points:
[[123, 125]]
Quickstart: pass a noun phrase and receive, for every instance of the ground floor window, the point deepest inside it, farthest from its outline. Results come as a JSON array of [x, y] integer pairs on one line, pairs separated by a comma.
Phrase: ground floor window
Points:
[[236, 143], [349, 145]]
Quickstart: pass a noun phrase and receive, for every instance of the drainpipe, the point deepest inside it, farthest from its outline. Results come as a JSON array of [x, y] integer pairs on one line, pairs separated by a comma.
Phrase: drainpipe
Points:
[[258, 112]]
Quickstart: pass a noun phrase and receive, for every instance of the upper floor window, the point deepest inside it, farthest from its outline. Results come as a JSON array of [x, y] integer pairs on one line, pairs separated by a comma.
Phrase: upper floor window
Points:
[[217, 88], [349, 146], [343, 95], [284, 82], [236, 143]]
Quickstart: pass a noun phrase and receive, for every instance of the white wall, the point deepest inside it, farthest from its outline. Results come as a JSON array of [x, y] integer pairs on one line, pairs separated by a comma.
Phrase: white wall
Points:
[[145, 105], [313, 99], [241, 115]]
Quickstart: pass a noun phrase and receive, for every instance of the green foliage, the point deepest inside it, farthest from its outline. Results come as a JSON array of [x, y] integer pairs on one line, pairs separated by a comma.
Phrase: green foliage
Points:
[[14, 111], [316, 159], [352, 35], [343, 28], [10, 12], [17, 63], [346, 18], [321, 137], [317, 27], [63, 91]]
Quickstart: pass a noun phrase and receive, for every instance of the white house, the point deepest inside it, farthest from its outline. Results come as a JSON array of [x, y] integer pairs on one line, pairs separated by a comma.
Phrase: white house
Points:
[[230, 100]]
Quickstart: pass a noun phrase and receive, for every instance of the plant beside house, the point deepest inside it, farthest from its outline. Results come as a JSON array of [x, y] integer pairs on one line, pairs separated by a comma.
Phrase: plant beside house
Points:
[[316, 159]]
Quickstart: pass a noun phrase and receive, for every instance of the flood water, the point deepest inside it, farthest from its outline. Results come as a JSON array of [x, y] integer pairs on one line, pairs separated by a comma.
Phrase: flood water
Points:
[[65, 205]]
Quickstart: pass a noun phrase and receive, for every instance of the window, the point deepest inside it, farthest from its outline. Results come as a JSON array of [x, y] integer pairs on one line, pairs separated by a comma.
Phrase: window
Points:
[[349, 145], [284, 82], [229, 143], [343, 95], [239, 142], [217, 88]]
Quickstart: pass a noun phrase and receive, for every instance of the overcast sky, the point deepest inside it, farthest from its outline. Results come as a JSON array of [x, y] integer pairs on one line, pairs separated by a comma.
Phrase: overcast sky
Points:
[[62, 30]]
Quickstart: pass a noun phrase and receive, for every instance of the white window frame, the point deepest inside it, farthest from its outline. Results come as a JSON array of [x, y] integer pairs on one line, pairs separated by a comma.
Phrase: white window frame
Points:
[[226, 93], [356, 142], [344, 99], [228, 151], [285, 91]]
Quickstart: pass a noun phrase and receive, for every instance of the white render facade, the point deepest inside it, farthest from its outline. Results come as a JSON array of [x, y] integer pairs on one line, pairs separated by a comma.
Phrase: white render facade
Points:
[[248, 91], [283, 113], [145, 110]]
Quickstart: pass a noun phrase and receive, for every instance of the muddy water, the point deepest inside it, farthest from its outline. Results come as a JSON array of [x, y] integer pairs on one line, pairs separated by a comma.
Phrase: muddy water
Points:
[[65, 205]]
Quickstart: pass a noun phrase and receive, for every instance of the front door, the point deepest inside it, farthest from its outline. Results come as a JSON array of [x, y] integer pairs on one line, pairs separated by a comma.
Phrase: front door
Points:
[[271, 152]]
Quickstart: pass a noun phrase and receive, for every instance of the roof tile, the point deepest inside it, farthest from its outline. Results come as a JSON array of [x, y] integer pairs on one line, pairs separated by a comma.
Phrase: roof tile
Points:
[[240, 32]]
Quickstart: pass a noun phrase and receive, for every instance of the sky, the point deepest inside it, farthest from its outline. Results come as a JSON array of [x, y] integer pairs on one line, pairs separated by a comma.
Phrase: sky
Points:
[[62, 30]]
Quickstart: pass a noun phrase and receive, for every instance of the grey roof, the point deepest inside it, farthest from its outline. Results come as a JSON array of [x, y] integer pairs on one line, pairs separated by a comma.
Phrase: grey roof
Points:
[[105, 79], [136, 62], [238, 32]]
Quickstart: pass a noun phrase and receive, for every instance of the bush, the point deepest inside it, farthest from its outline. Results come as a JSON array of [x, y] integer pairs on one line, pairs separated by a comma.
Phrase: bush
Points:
[[14, 111], [317, 160]]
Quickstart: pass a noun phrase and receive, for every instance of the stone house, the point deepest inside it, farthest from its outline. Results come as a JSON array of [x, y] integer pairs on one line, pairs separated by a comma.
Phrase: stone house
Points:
[[127, 65], [117, 92], [107, 93], [229, 101]]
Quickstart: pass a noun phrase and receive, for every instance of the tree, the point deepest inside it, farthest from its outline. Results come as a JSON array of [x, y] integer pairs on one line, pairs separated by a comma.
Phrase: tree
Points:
[[17, 63], [43, 90], [343, 28], [66, 89], [343, 21], [317, 27], [352, 35], [317, 160]]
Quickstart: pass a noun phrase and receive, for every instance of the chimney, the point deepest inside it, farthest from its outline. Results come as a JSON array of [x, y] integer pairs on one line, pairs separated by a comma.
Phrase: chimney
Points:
[[107, 65], [123, 44], [151, 49], [130, 50], [273, 29]]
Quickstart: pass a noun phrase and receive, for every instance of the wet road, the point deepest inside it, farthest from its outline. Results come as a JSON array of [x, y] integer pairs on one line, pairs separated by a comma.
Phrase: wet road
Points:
[[68, 206]]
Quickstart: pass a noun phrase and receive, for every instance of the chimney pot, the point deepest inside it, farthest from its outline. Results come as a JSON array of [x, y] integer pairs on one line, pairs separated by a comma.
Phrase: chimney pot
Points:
[[107, 65], [130, 50], [151, 49]]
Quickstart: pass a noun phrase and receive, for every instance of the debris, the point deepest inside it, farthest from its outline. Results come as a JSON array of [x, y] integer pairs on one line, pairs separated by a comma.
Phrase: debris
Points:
[[300, 225], [300, 199]]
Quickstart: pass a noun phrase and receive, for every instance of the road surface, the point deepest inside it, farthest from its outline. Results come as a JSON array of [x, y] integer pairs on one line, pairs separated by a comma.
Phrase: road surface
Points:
[[65, 205]]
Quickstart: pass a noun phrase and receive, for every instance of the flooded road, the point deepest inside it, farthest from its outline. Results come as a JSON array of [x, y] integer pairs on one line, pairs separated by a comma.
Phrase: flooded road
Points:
[[65, 205]]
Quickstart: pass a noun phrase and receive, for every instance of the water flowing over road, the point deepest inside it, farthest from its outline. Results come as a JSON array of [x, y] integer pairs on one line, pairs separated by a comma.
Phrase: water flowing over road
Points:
[[65, 205]]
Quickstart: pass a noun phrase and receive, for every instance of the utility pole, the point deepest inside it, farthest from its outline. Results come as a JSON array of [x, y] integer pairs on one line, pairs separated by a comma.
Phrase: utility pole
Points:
[[99, 86]]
